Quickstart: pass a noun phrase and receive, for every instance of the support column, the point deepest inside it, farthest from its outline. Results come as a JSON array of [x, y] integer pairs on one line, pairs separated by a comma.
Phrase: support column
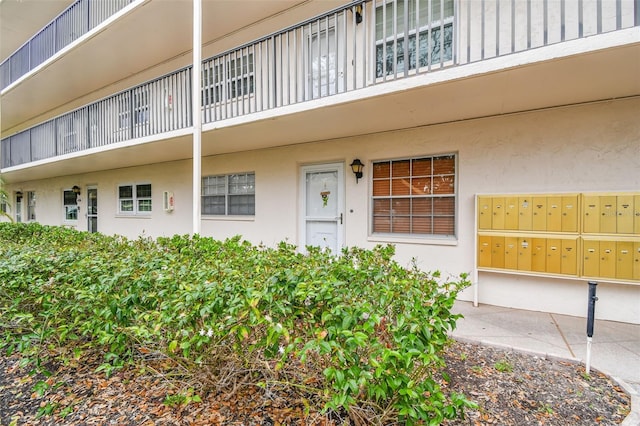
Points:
[[196, 115]]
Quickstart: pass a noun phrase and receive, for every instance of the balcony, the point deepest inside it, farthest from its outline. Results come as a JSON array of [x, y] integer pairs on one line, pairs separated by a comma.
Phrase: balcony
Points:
[[361, 58], [74, 22]]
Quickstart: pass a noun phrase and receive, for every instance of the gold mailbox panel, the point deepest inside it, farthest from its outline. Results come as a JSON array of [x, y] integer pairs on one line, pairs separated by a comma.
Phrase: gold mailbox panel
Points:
[[497, 211], [539, 221], [636, 214], [624, 260], [524, 254], [569, 257], [624, 209], [497, 252], [554, 255], [607, 259], [594, 235], [511, 253], [608, 214], [569, 221], [591, 214], [636, 261], [525, 213], [554, 214], [539, 255], [484, 212], [511, 213], [484, 251], [591, 258]]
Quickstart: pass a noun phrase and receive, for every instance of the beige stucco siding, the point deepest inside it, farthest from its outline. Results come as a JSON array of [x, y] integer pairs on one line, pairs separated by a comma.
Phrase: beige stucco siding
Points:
[[586, 148]]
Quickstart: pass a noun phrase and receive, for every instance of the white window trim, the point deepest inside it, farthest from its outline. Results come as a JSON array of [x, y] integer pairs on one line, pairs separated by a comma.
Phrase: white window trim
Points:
[[428, 28], [31, 205], [226, 215], [64, 210], [134, 198], [217, 78], [421, 239]]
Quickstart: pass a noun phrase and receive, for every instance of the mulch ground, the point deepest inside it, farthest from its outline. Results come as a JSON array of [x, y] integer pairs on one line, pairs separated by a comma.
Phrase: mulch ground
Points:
[[510, 389]]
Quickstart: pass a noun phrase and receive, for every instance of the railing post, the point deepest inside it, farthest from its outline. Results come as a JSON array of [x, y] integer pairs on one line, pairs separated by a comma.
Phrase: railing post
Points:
[[131, 112]]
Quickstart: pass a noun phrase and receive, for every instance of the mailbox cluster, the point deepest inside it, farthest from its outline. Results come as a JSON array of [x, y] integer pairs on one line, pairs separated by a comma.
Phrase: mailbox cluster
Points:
[[577, 235]]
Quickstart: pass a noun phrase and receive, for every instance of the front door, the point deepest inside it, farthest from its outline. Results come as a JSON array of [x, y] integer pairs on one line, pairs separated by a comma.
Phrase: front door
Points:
[[322, 206], [92, 209]]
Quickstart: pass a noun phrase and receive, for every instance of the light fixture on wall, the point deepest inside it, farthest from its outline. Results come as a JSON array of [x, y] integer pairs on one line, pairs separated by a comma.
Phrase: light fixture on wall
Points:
[[356, 167], [358, 12], [76, 189]]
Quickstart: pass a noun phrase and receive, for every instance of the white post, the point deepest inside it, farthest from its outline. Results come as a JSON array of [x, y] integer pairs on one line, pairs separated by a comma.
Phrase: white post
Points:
[[196, 84], [588, 355]]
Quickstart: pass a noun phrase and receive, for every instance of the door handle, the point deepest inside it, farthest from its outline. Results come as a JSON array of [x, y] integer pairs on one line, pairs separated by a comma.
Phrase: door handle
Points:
[[340, 218]]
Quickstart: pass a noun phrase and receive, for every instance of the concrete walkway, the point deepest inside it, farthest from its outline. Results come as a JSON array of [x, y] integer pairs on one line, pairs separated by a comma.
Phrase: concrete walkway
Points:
[[615, 348]]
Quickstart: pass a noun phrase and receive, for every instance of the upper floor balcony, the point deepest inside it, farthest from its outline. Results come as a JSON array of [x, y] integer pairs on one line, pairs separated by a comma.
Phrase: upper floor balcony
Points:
[[367, 66]]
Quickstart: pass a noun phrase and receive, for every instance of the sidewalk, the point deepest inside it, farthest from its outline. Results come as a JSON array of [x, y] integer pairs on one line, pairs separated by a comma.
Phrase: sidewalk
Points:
[[615, 349]]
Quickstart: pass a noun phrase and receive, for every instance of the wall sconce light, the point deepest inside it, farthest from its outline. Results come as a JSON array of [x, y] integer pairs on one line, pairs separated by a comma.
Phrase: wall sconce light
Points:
[[356, 167], [76, 189], [358, 11]]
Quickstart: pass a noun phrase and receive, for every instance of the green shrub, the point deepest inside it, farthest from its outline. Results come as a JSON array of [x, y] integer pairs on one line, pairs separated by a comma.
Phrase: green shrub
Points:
[[356, 333]]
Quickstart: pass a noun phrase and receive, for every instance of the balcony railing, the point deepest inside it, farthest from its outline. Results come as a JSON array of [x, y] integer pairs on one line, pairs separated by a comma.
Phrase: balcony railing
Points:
[[159, 106], [346, 49], [77, 20]]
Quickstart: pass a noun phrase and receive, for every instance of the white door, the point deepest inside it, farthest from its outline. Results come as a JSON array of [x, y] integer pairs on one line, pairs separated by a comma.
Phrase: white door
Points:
[[322, 206]]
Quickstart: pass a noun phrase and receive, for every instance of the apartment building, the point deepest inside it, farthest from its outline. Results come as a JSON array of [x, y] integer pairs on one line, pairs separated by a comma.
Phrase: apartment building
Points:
[[498, 138]]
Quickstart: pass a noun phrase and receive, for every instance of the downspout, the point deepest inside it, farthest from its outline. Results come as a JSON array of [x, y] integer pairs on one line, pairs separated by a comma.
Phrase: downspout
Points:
[[196, 115]]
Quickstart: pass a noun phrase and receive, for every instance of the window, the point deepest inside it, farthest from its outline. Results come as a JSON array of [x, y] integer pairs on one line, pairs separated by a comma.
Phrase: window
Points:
[[70, 205], [229, 194], [141, 106], [134, 199], [31, 205], [240, 75], [139, 102], [228, 78], [67, 129], [435, 34], [324, 63], [415, 196], [123, 112]]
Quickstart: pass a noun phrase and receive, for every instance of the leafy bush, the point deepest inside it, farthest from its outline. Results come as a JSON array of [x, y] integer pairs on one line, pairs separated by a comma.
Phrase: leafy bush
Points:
[[356, 333]]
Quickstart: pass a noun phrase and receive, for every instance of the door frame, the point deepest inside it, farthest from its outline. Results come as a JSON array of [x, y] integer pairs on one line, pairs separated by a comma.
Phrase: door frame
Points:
[[340, 219], [89, 215]]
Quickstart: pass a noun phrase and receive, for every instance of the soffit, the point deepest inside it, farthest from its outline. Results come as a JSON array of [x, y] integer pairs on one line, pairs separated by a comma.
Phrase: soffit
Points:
[[21, 19]]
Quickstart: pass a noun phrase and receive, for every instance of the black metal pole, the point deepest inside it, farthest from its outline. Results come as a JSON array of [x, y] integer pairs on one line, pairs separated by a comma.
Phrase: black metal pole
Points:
[[592, 307], [590, 318]]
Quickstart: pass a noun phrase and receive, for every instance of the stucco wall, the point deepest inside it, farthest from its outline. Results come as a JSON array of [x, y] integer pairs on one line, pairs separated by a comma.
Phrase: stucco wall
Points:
[[570, 149]]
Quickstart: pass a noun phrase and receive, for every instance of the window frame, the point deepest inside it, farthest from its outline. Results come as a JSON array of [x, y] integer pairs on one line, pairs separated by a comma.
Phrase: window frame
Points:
[[65, 207], [224, 76], [31, 206], [427, 29], [413, 237], [135, 199], [227, 195]]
